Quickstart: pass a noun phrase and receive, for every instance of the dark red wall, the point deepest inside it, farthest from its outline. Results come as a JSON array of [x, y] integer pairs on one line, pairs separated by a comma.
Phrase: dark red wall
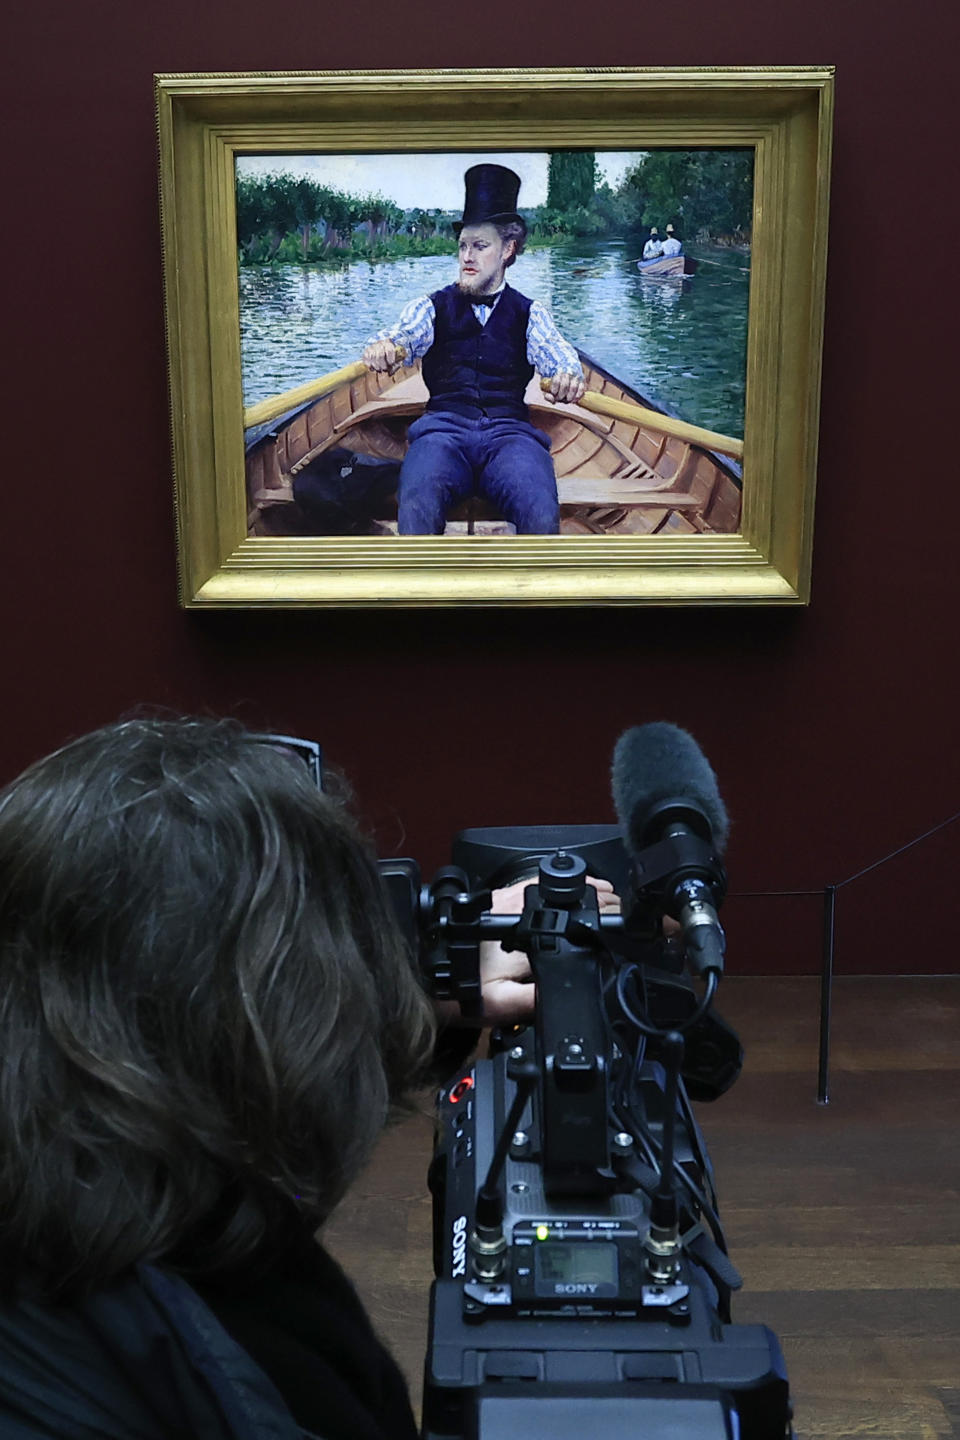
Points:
[[832, 729]]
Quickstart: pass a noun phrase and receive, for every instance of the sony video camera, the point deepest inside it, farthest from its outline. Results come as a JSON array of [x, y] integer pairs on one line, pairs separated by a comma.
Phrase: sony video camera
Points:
[[582, 1281]]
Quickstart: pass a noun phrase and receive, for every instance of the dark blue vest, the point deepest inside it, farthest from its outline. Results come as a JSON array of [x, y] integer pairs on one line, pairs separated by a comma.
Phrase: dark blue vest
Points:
[[473, 369]]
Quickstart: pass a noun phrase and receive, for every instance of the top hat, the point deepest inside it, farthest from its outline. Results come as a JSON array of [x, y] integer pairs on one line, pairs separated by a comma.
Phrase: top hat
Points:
[[491, 196], [669, 229]]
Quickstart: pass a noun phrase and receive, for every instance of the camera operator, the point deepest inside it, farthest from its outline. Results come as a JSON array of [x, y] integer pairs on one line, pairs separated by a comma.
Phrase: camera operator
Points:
[[206, 1013]]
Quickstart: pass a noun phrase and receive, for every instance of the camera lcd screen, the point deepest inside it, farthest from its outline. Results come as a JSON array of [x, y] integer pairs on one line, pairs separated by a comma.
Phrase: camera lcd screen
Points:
[[576, 1263]]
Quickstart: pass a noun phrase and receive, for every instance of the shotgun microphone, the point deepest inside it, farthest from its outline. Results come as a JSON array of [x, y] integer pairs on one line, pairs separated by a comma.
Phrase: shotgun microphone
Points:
[[665, 792]]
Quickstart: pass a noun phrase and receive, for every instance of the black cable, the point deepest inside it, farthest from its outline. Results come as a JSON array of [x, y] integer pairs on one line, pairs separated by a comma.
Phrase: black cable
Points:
[[624, 973], [705, 1197], [646, 1027], [624, 1098], [700, 1156], [640, 1138], [652, 1153], [627, 1096]]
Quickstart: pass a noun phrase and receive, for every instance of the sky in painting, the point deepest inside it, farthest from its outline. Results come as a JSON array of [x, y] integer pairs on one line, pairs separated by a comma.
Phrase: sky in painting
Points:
[[428, 181]]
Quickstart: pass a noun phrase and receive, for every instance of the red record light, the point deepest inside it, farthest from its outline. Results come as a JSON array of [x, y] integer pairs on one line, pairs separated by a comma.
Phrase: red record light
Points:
[[460, 1089]]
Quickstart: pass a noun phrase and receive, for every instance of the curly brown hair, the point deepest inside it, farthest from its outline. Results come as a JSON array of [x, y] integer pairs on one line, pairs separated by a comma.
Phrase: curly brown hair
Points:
[[206, 1008]]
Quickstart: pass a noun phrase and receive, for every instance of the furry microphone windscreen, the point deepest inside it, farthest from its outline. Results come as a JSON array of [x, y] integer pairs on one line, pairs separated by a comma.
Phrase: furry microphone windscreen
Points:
[[657, 762]]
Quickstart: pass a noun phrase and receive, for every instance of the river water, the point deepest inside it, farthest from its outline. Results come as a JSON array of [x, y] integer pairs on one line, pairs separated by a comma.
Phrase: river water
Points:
[[681, 344]]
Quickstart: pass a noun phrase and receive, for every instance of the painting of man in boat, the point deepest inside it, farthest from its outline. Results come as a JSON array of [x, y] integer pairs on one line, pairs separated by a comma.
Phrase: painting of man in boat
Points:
[[639, 418]]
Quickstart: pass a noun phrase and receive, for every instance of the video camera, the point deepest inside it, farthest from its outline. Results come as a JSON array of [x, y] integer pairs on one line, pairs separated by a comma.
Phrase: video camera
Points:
[[582, 1281]]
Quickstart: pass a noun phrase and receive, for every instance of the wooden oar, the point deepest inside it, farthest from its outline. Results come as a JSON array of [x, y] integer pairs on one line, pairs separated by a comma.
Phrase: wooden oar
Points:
[[653, 420], [265, 410]]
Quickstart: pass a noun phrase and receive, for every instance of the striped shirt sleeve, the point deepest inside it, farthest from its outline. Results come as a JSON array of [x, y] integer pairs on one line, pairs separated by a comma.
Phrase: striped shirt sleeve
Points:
[[547, 350], [414, 329]]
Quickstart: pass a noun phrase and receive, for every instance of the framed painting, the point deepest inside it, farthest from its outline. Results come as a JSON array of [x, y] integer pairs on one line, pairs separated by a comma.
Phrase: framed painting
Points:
[[495, 337]]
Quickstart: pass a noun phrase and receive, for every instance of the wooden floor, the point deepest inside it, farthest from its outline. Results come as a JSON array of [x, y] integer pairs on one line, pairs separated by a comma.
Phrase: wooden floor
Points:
[[844, 1220]]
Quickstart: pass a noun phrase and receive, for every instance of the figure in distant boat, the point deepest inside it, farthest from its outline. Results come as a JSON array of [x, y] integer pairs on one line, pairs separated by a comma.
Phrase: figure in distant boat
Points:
[[480, 342], [664, 259], [653, 249], [672, 245]]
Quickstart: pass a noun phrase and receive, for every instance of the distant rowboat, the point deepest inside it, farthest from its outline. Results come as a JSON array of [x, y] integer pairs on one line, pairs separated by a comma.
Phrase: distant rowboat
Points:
[[614, 476], [667, 267]]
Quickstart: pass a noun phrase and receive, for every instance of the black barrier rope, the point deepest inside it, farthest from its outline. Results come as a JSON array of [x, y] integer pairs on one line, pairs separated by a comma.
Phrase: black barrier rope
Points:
[[829, 895]]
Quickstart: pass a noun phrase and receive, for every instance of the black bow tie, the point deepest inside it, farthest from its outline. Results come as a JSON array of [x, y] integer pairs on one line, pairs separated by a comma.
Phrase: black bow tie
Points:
[[485, 300]]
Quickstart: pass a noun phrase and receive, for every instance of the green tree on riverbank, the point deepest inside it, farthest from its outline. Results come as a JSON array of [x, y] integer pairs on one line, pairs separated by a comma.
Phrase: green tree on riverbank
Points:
[[706, 193], [571, 207], [284, 217], [572, 179]]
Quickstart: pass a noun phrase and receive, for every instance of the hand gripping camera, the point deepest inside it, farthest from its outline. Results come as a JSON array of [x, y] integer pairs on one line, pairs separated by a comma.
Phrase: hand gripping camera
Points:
[[582, 1281]]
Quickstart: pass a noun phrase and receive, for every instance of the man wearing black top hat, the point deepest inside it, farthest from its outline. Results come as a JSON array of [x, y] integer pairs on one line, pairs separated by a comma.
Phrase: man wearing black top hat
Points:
[[481, 342]]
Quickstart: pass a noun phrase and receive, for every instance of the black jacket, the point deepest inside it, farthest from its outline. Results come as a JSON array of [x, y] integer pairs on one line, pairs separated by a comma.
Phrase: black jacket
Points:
[[286, 1354]]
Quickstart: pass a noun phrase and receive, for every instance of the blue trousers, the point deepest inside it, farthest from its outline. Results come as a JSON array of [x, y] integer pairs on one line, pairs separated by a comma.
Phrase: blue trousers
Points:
[[452, 458]]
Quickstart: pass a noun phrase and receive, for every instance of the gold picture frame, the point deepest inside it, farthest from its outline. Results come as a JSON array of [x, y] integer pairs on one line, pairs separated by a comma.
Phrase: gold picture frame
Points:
[[206, 121]]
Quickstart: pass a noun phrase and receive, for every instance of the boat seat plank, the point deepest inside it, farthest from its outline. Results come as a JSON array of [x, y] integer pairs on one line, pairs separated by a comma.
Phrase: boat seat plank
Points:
[[583, 490], [572, 490]]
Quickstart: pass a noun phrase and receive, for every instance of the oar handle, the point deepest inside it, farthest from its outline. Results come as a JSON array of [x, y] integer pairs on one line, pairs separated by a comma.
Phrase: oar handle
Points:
[[265, 410], [653, 420]]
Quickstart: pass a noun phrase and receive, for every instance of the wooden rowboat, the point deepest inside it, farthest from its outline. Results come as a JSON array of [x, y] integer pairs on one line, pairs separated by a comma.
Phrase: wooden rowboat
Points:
[[667, 267], [614, 476]]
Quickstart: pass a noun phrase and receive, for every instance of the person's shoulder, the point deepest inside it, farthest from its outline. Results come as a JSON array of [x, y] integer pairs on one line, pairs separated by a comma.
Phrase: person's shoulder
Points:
[[418, 302], [539, 312]]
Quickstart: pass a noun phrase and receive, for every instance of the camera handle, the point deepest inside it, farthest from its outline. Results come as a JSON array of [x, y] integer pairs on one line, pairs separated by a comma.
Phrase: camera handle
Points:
[[452, 923], [559, 930]]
